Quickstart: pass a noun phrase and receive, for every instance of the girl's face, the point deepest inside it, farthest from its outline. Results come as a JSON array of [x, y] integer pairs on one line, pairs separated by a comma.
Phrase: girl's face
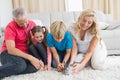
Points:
[[39, 36], [86, 22]]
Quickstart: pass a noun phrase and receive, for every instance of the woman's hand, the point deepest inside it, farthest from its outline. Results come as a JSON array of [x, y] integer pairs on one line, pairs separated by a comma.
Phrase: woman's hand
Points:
[[77, 67]]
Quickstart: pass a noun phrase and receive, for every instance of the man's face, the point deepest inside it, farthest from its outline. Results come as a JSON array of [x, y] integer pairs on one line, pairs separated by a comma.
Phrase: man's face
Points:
[[22, 22]]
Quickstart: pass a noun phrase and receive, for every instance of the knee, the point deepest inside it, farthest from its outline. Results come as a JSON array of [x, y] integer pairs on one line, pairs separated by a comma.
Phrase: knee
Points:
[[97, 64], [31, 47], [40, 46]]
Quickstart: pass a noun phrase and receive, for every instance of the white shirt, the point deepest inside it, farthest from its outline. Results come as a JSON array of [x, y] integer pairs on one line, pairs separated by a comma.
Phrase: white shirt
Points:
[[83, 45]]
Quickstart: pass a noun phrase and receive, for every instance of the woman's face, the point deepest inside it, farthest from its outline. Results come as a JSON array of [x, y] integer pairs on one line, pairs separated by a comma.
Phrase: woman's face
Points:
[[86, 22], [39, 36]]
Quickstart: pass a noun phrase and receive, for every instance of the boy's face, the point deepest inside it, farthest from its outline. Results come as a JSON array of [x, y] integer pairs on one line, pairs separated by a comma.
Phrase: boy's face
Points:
[[58, 39], [39, 36]]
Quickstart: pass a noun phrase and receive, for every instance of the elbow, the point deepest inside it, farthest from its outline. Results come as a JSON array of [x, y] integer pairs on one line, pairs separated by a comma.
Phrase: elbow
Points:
[[74, 49], [49, 54], [10, 46], [10, 50]]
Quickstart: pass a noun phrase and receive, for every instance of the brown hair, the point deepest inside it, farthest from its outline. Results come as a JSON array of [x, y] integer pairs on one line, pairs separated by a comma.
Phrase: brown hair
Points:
[[42, 29]]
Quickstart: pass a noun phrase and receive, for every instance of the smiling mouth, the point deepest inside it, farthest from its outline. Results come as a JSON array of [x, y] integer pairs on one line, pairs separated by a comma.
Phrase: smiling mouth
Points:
[[40, 40]]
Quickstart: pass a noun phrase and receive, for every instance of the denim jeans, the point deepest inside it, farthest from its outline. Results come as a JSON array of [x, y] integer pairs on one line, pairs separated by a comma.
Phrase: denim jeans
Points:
[[39, 51], [13, 65], [61, 55]]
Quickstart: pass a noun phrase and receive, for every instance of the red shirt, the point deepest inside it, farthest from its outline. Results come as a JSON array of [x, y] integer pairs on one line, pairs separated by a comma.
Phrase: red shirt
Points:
[[17, 34]]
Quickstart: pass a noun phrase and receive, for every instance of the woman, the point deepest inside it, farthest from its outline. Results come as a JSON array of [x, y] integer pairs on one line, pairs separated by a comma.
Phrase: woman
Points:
[[91, 47]]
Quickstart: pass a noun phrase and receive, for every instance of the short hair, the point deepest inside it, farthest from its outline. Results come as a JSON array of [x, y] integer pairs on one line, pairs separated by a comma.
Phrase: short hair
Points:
[[58, 29], [19, 12]]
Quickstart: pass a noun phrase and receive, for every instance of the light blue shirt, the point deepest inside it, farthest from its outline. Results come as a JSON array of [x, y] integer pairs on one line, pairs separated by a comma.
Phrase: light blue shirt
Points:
[[65, 44]]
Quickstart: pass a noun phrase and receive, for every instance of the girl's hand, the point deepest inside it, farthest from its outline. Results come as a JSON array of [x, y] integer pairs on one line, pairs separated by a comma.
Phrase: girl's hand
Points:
[[77, 67], [47, 67]]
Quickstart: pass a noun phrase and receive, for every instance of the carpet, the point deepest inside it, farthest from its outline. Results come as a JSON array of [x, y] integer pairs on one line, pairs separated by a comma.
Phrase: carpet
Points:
[[86, 74]]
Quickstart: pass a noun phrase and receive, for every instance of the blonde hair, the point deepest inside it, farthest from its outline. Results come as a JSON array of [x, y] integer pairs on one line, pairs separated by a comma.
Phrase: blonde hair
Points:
[[94, 27], [58, 29]]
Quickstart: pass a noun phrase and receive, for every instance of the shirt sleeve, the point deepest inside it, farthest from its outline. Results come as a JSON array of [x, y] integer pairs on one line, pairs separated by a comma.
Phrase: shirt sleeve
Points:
[[69, 42], [49, 40], [9, 33]]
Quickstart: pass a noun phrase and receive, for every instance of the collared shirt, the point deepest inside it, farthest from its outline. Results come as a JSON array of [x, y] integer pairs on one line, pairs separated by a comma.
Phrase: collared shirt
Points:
[[18, 34]]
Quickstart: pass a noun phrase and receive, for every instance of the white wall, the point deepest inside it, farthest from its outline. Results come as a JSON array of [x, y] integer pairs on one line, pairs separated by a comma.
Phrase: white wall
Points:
[[5, 12]]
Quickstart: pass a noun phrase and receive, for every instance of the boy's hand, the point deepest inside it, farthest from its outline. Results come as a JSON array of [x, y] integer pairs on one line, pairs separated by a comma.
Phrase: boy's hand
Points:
[[60, 67]]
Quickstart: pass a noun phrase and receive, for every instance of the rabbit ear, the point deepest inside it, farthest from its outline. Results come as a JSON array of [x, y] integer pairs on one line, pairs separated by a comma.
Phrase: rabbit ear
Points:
[[31, 34]]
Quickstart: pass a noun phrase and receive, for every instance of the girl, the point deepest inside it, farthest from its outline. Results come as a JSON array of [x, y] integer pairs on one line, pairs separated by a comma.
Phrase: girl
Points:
[[37, 45], [91, 47], [60, 43]]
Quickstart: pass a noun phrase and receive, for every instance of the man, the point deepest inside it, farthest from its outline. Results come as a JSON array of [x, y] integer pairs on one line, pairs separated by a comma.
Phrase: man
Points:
[[14, 56]]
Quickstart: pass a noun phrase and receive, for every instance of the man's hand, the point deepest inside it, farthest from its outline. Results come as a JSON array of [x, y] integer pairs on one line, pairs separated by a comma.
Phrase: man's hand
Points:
[[38, 64]]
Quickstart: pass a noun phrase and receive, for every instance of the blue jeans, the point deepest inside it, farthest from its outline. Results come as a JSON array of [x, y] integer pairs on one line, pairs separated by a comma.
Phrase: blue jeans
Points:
[[39, 51], [13, 65], [61, 55]]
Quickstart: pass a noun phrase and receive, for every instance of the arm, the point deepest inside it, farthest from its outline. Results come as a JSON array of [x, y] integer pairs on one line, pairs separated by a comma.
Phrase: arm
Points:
[[49, 57], [87, 57], [73, 51], [90, 51], [67, 56], [69, 50], [55, 55], [60, 65], [16, 52]]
